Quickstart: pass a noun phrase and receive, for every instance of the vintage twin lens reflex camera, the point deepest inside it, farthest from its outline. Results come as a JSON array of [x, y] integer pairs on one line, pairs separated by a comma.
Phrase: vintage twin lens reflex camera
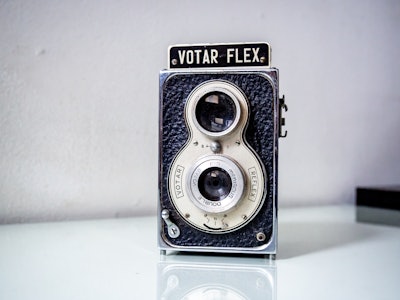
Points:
[[220, 120]]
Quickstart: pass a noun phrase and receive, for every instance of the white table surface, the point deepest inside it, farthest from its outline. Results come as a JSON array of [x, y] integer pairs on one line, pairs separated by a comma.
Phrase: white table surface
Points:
[[323, 254]]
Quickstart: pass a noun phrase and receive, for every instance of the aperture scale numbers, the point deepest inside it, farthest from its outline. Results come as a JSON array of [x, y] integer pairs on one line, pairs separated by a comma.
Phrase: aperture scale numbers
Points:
[[215, 222]]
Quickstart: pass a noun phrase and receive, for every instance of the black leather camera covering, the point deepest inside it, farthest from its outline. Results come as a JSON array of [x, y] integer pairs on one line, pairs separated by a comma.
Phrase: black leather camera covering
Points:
[[260, 135]]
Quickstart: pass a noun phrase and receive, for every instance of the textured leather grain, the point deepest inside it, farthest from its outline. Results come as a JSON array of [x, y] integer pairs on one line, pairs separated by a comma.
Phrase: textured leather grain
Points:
[[260, 135]]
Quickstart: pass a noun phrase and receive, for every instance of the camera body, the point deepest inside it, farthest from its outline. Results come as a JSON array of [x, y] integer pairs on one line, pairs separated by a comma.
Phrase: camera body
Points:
[[220, 120]]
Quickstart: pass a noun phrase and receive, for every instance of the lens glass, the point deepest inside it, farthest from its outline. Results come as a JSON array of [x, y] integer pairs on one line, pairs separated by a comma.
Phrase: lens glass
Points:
[[215, 112], [215, 184]]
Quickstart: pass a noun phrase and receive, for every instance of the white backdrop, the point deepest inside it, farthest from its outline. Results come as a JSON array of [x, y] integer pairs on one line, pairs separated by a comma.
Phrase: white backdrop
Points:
[[79, 97]]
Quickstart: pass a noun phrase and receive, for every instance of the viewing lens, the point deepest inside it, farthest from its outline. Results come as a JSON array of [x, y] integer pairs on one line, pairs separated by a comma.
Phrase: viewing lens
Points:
[[215, 112], [215, 184]]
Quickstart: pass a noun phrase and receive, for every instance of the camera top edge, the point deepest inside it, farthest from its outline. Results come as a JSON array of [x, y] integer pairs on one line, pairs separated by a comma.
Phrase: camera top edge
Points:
[[222, 56]]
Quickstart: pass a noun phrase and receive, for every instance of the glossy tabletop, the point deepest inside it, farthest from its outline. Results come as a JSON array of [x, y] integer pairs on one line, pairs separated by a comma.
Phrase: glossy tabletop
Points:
[[323, 254]]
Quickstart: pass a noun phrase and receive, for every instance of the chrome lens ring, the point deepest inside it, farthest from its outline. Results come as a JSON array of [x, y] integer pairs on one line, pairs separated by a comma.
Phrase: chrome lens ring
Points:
[[216, 109], [227, 187]]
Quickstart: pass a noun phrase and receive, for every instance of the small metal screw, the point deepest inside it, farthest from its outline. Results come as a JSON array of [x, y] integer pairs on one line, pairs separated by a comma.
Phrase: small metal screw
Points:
[[174, 62], [261, 236], [262, 59], [244, 217], [196, 143], [165, 214], [187, 215], [238, 143], [216, 147]]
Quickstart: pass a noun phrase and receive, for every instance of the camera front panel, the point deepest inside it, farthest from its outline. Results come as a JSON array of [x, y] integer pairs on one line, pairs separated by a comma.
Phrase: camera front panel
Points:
[[218, 155]]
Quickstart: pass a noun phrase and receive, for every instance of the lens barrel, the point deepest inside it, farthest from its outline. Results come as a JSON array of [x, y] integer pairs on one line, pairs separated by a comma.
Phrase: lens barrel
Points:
[[215, 111], [215, 184]]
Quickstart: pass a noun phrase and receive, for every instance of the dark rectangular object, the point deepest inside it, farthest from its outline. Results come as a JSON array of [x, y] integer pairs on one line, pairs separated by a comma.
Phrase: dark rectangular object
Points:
[[379, 205]]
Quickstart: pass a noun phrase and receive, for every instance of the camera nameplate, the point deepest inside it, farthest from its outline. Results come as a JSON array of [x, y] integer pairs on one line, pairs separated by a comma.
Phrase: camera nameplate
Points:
[[219, 55]]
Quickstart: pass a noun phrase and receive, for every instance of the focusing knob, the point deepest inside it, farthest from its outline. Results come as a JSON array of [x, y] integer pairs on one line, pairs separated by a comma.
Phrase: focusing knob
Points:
[[173, 230], [216, 147]]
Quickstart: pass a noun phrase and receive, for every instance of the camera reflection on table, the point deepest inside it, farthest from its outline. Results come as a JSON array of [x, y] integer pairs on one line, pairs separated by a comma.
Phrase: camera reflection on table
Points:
[[193, 276]]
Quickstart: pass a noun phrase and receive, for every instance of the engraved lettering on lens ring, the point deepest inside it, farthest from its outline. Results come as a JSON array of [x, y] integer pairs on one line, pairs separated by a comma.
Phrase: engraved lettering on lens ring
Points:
[[253, 184], [178, 181], [214, 107], [225, 182]]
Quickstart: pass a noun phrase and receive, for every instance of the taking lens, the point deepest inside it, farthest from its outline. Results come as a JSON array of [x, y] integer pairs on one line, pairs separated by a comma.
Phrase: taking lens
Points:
[[215, 112], [215, 184]]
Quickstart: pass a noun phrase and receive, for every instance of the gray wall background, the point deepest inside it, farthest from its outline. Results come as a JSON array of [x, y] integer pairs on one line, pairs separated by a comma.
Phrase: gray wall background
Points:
[[79, 98]]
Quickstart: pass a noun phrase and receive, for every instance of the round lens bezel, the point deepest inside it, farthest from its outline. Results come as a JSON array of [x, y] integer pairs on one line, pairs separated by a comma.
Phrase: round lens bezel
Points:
[[216, 86], [219, 105], [215, 188], [236, 176]]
